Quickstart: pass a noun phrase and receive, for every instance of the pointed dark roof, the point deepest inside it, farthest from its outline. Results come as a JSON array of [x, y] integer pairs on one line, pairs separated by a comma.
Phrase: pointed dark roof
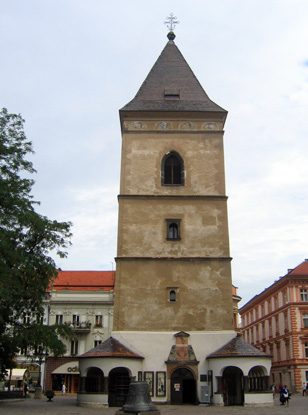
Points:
[[237, 347], [110, 348], [170, 77]]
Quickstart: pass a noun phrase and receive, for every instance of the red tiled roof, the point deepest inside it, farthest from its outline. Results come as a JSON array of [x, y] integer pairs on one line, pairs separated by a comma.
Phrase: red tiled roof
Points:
[[84, 281], [301, 269], [111, 348]]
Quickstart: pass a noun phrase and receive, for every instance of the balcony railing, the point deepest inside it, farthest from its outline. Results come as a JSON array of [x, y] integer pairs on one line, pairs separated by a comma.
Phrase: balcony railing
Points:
[[84, 326]]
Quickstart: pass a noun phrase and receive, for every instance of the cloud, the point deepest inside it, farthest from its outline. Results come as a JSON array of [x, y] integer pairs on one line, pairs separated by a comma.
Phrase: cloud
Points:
[[68, 67]]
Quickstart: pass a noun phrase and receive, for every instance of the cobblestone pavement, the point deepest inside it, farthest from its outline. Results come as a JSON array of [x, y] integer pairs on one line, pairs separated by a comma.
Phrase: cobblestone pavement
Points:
[[66, 405]]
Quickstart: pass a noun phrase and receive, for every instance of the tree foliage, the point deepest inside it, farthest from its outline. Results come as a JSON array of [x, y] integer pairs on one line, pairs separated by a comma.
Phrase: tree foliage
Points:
[[27, 239]]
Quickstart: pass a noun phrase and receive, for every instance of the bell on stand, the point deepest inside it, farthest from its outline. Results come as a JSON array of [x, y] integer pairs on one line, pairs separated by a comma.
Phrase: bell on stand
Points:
[[139, 400]]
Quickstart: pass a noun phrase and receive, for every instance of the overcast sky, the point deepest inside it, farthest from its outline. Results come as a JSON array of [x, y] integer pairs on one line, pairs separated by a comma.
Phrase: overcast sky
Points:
[[68, 66]]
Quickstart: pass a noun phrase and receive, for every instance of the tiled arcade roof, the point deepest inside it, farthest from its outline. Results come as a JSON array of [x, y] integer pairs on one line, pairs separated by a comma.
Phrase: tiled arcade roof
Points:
[[237, 347], [110, 348]]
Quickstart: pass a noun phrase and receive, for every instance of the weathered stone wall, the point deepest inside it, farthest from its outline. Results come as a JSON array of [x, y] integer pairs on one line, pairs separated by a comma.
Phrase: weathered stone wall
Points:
[[196, 267]]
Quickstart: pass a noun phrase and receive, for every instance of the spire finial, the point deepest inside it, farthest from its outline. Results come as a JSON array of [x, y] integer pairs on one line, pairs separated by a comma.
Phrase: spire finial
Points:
[[171, 21]]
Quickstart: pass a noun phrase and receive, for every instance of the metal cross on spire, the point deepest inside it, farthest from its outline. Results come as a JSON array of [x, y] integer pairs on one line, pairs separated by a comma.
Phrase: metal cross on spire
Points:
[[171, 22]]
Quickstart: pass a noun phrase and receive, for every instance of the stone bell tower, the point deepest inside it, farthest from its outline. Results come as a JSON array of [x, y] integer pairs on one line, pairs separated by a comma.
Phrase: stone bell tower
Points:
[[173, 311], [173, 261]]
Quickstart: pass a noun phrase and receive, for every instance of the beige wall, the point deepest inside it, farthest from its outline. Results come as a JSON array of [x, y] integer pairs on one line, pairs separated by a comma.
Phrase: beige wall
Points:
[[197, 266], [203, 290], [203, 227]]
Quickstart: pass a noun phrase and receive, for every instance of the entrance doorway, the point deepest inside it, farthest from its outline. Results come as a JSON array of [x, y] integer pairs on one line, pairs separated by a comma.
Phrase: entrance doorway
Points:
[[118, 382], [232, 382], [183, 387]]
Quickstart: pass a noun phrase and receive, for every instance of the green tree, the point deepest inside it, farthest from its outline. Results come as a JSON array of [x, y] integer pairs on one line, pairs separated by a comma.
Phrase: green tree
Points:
[[27, 239]]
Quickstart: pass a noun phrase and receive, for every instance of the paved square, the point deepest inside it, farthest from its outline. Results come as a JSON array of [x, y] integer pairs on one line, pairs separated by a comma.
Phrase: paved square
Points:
[[66, 405]]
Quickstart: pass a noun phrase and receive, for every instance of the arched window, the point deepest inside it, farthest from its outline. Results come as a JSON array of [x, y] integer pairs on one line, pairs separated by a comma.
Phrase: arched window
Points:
[[258, 381], [172, 296], [173, 229], [172, 169], [95, 380]]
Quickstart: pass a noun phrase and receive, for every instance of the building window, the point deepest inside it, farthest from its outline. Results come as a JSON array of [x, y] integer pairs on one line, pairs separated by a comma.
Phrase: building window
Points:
[[262, 310], [257, 333], [276, 303], [278, 352], [306, 350], [98, 321], [304, 296], [27, 317], [172, 169], [75, 320], [97, 342], [277, 326], [270, 306], [172, 293], [305, 320], [172, 296], [270, 332], [59, 319], [257, 313], [173, 229], [287, 344], [74, 347]]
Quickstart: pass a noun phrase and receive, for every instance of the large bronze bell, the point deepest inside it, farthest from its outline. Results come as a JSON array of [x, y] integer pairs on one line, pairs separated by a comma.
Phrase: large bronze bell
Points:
[[139, 399]]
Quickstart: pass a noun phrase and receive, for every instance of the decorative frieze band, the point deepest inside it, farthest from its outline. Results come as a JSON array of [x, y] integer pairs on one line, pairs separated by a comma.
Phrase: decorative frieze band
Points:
[[175, 126]]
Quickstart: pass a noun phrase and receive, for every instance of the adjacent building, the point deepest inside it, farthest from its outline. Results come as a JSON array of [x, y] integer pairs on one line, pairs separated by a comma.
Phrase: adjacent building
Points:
[[276, 322], [84, 301]]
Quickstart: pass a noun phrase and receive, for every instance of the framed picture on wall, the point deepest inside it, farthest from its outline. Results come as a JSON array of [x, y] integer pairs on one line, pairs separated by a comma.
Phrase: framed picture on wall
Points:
[[160, 383], [149, 377]]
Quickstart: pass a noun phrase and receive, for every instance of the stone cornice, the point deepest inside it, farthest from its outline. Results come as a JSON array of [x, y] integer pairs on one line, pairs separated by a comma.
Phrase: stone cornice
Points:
[[175, 197], [128, 258]]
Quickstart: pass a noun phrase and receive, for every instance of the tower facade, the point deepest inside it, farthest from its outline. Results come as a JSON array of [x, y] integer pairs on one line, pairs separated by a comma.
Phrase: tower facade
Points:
[[173, 261], [173, 309]]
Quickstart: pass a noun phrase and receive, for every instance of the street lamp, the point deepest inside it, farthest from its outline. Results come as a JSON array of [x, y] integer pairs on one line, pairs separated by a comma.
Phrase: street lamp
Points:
[[38, 356]]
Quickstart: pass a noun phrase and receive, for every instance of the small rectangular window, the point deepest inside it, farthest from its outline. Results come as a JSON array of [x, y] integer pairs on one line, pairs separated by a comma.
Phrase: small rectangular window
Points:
[[75, 320], [304, 295], [98, 321], [97, 342], [306, 350], [59, 319], [74, 347], [305, 320], [270, 331], [172, 94], [173, 229]]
